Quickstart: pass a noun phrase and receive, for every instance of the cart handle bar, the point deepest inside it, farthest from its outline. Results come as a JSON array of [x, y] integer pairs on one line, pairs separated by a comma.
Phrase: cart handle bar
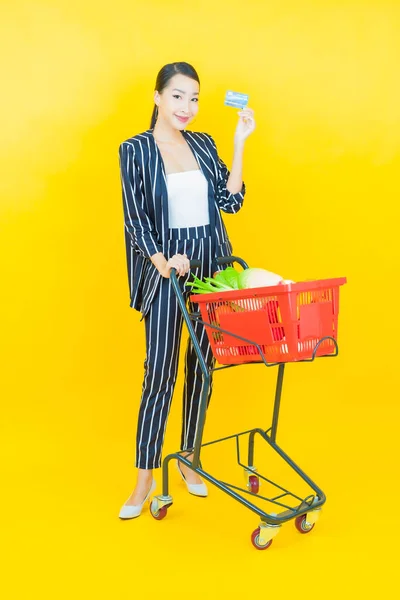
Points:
[[221, 260]]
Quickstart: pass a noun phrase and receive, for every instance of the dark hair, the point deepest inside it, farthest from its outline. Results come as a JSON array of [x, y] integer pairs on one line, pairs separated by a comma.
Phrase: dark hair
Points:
[[163, 77]]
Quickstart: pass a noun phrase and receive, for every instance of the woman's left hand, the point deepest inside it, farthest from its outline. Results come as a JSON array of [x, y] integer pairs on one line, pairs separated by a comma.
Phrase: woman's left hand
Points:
[[246, 124]]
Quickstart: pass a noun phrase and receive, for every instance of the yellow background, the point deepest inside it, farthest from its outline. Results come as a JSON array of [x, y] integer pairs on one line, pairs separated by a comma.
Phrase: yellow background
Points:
[[322, 172]]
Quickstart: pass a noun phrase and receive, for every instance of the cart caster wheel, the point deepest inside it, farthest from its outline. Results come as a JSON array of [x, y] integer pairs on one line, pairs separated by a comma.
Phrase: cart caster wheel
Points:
[[301, 524], [253, 484], [158, 513], [255, 540]]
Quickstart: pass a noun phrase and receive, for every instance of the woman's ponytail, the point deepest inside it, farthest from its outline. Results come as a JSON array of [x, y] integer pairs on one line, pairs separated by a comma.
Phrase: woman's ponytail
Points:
[[154, 116]]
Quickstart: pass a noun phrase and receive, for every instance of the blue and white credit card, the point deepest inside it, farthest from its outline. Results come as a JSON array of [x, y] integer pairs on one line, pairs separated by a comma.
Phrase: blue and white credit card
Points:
[[236, 99]]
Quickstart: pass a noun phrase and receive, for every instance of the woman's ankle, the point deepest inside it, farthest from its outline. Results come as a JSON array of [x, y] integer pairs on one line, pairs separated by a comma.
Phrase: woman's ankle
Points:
[[144, 476], [187, 454]]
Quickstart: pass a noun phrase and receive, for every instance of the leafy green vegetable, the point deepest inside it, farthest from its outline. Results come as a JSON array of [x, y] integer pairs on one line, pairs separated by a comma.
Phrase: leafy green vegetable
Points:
[[219, 284], [230, 279], [229, 276], [208, 286]]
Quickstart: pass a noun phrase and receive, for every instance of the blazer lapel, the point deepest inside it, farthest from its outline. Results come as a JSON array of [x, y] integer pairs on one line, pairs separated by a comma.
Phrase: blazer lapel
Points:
[[160, 190]]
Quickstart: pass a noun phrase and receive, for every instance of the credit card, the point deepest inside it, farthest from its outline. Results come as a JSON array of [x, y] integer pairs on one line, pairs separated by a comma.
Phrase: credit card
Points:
[[236, 99]]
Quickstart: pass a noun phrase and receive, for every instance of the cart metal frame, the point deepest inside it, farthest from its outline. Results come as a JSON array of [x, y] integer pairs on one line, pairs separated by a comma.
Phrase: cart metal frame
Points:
[[307, 510]]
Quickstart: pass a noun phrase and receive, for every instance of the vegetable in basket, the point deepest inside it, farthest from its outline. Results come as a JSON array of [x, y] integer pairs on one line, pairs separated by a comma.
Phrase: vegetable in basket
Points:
[[251, 278], [229, 279]]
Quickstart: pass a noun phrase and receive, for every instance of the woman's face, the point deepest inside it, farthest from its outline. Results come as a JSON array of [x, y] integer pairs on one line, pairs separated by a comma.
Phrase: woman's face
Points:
[[178, 102]]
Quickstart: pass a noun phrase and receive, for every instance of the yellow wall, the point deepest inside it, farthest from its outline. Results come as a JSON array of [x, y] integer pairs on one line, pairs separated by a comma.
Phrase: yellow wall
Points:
[[322, 172]]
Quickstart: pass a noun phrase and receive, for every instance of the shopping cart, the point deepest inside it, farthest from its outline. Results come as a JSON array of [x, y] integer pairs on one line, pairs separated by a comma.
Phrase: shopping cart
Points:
[[270, 326]]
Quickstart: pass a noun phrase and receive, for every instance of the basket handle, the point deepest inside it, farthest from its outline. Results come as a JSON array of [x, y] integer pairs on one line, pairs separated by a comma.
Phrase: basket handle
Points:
[[223, 260], [194, 263]]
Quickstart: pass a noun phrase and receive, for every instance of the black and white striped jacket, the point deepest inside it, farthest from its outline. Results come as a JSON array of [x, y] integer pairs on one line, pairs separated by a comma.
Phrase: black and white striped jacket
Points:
[[145, 198]]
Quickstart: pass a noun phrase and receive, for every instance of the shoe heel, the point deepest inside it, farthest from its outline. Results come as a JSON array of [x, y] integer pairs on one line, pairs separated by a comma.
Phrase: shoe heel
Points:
[[134, 510], [196, 489]]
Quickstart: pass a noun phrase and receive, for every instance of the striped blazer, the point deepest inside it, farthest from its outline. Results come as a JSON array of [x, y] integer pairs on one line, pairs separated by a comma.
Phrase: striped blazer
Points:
[[145, 204]]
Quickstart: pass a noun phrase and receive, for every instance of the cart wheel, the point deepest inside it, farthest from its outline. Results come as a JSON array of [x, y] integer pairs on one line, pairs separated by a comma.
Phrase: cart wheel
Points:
[[255, 540], [158, 513], [302, 525], [254, 484]]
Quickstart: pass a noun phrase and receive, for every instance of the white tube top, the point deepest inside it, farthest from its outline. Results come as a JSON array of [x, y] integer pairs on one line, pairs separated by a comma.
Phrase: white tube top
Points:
[[187, 199]]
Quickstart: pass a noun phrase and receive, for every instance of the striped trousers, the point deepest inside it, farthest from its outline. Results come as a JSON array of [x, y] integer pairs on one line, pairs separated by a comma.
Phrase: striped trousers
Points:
[[163, 325]]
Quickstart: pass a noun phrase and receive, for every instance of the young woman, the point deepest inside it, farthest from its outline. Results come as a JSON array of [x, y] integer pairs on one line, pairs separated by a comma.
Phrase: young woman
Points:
[[174, 186]]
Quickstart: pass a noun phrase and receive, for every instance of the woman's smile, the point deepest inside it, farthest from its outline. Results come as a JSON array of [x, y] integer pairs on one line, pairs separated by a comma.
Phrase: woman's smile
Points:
[[182, 119]]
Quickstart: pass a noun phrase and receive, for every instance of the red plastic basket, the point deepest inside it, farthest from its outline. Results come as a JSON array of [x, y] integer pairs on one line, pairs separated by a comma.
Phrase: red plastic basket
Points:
[[287, 321]]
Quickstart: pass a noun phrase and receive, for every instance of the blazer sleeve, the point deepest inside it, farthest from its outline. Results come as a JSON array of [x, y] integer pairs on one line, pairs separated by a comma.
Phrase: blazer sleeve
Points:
[[228, 202], [137, 222]]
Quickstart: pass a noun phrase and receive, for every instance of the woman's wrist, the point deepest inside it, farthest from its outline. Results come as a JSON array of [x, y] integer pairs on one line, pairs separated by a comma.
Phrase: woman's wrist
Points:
[[235, 180], [238, 145], [160, 262]]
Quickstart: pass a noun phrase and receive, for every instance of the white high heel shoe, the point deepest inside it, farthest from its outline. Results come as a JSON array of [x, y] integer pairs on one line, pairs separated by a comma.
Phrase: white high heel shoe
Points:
[[197, 489], [131, 511]]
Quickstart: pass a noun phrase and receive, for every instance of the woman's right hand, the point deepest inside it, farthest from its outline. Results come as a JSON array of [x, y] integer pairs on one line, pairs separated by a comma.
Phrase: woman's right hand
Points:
[[180, 262]]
